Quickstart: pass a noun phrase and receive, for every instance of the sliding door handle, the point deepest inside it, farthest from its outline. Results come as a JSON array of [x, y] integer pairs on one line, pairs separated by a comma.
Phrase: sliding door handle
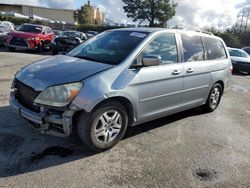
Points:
[[190, 70], [176, 72]]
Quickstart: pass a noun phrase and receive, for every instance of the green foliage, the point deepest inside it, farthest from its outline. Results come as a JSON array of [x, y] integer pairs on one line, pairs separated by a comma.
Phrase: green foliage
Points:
[[230, 39], [99, 28], [245, 38], [18, 21], [156, 12], [83, 15]]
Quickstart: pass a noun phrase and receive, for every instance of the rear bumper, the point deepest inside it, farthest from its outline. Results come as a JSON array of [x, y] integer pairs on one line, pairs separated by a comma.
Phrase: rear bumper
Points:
[[45, 122]]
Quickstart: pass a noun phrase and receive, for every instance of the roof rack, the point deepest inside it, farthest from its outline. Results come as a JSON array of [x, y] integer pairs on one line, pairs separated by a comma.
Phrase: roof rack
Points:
[[197, 30], [205, 32]]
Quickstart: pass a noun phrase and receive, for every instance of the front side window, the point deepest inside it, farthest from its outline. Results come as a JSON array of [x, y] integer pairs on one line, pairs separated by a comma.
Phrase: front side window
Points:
[[163, 46], [192, 48], [111, 47], [214, 48]]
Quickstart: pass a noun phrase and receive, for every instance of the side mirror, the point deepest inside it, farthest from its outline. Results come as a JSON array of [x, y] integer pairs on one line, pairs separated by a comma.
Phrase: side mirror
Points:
[[151, 60]]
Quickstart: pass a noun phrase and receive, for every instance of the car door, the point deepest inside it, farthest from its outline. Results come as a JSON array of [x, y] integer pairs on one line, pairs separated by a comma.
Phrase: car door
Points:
[[197, 72], [159, 87]]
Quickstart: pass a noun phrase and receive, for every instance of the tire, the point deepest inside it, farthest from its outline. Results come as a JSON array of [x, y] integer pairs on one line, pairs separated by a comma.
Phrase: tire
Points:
[[214, 98], [54, 52], [11, 49], [98, 130], [40, 48]]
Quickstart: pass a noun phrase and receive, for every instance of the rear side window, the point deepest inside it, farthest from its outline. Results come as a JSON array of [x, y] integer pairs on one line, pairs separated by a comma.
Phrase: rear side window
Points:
[[192, 48], [214, 49]]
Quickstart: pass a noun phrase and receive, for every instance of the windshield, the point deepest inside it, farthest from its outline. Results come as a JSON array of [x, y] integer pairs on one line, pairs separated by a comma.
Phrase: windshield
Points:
[[71, 34], [110, 47], [30, 29], [238, 53]]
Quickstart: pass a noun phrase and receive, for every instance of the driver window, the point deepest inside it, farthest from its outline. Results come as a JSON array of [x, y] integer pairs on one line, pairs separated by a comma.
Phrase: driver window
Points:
[[164, 46]]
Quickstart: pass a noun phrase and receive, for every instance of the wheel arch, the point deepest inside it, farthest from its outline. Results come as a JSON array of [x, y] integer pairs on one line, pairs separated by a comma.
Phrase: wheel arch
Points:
[[222, 84], [125, 102]]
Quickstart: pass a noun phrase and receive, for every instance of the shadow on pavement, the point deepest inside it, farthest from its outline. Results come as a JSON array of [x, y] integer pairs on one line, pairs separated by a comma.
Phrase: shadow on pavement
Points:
[[22, 150]]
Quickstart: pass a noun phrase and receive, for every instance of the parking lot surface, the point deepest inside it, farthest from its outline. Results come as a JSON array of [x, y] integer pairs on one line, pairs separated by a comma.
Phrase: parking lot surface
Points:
[[189, 149]]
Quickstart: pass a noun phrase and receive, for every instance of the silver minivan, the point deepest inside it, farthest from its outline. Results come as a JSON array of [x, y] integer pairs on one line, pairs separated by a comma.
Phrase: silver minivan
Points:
[[122, 78]]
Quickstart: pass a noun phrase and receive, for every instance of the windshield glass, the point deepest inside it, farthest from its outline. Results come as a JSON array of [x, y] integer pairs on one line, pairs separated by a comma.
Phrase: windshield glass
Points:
[[30, 29], [238, 53], [110, 47], [71, 34]]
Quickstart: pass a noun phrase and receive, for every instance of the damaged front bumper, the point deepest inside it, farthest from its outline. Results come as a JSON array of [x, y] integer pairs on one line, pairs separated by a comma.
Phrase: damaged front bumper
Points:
[[45, 122]]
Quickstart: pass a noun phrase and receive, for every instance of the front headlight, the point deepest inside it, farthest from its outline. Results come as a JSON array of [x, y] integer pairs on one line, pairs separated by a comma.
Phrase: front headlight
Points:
[[59, 96]]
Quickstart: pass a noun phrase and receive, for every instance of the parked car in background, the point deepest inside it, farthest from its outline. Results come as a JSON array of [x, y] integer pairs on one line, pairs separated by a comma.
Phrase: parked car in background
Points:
[[91, 34], [247, 50], [8, 25], [3, 34], [57, 32], [240, 60], [30, 36], [67, 40], [122, 78]]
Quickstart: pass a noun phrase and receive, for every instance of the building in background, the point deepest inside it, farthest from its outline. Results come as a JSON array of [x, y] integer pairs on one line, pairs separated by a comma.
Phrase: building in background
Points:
[[62, 15], [65, 15]]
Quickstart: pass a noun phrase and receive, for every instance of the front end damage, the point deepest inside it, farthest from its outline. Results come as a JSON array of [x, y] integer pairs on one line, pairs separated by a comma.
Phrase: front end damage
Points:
[[47, 121]]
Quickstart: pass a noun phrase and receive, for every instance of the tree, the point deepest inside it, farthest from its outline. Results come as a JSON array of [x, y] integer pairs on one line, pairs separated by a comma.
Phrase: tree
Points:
[[156, 12], [83, 15]]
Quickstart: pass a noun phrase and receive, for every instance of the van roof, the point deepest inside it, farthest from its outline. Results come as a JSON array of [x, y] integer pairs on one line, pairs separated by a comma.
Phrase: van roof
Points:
[[151, 30]]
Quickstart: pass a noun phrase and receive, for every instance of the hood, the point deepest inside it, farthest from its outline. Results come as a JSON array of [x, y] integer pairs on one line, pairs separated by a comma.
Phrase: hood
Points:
[[240, 59], [67, 40], [58, 70], [21, 34]]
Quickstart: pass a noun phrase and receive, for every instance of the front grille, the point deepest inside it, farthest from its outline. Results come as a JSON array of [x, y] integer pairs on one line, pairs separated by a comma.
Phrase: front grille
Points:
[[18, 42], [25, 95]]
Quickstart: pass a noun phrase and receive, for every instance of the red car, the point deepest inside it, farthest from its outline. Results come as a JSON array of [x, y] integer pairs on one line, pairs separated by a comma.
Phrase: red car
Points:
[[29, 36]]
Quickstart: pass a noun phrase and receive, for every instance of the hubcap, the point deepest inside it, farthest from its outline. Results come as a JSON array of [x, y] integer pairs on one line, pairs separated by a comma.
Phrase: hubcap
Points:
[[108, 127], [215, 97]]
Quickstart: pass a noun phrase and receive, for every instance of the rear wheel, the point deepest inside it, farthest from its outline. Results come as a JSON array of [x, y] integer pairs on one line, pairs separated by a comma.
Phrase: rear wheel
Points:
[[54, 51], [12, 49], [214, 98], [103, 128]]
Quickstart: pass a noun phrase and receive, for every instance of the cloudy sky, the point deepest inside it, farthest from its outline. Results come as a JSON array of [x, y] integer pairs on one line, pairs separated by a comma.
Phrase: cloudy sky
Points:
[[190, 13]]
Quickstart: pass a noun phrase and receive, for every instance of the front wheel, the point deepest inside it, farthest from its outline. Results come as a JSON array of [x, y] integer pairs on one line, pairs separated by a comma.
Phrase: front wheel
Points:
[[214, 98], [103, 128]]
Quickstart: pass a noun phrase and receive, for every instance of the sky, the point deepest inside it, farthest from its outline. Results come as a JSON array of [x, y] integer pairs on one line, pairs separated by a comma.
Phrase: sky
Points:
[[189, 13]]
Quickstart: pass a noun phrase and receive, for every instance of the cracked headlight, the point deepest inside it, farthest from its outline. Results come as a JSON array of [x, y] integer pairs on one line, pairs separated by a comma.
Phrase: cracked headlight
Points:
[[59, 96]]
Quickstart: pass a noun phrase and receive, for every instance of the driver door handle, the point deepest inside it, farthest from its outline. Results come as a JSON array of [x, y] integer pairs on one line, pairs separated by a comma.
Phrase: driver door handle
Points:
[[176, 72]]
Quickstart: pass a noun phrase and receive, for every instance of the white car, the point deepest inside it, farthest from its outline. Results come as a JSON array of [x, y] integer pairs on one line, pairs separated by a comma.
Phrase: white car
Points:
[[7, 24], [240, 60]]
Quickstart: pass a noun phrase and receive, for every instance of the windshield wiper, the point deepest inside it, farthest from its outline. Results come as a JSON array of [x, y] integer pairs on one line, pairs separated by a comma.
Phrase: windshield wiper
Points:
[[92, 59]]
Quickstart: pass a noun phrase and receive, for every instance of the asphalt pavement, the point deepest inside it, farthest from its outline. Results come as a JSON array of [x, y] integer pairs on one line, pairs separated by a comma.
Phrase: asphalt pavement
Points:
[[188, 149]]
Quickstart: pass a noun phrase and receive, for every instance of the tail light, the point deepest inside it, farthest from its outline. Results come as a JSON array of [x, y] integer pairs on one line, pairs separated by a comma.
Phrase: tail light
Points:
[[231, 69]]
